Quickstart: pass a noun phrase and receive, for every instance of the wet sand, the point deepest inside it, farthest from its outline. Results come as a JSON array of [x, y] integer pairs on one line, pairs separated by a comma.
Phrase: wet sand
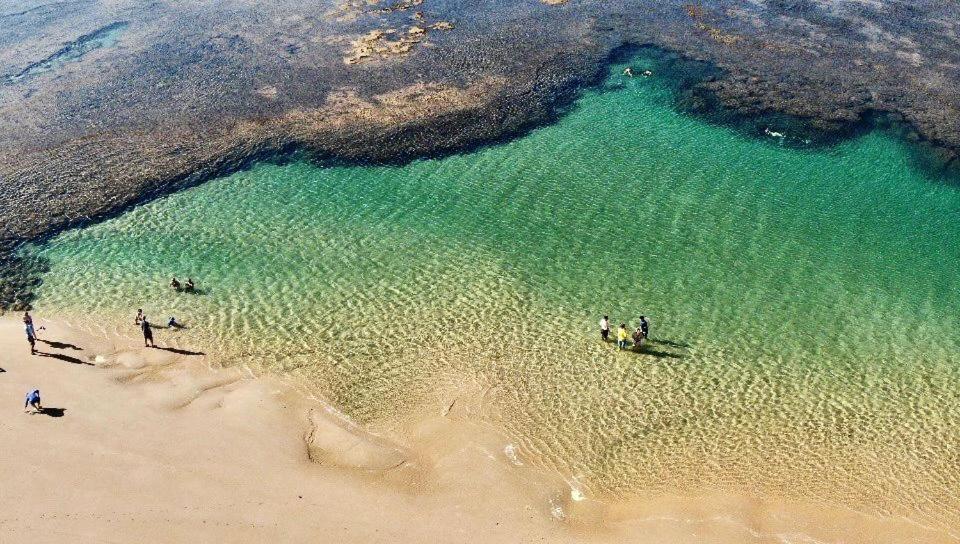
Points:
[[153, 445]]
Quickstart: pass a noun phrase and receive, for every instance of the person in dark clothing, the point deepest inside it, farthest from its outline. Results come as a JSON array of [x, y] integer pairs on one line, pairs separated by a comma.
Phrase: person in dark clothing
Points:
[[147, 333], [28, 325], [645, 326]]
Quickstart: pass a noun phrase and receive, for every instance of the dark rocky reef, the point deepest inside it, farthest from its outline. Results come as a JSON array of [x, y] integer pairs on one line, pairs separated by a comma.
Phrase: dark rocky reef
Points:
[[108, 104]]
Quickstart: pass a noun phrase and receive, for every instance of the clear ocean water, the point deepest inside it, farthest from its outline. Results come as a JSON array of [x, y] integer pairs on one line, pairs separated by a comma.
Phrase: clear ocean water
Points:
[[804, 303]]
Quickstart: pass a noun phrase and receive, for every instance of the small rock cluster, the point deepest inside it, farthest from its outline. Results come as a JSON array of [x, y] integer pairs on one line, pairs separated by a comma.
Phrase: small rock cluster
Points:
[[386, 43]]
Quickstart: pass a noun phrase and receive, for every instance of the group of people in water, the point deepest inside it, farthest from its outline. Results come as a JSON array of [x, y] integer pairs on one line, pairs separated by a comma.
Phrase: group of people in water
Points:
[[639, 336], [147, 329], [628, 71], [189, 286]]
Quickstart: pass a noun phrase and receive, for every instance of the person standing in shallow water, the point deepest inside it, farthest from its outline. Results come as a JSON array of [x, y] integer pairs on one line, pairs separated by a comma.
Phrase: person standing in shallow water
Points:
[[645, 326], [622, 336], [147, 333], [605, 328]]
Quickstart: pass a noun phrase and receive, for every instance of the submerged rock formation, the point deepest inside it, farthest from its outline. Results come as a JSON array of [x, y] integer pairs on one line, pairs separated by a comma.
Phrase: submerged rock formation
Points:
[[106, 104]]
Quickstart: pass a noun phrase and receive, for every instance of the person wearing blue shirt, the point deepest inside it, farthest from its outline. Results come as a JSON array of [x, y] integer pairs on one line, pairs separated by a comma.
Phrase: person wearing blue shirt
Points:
[[33, 399]]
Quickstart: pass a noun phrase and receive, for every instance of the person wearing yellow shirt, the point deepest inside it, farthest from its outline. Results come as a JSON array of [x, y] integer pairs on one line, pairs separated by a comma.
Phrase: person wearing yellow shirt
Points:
[[622, 336]]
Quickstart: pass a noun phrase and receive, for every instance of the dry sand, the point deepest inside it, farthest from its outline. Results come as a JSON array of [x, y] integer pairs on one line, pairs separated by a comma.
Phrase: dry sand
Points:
[[154, 446]]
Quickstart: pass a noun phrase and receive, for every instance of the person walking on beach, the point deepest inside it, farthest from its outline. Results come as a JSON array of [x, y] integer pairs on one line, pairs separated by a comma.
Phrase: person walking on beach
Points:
[[32, 340], [645, 326], [30, 332], [28, 325], [33, 399], [622, 336], [147, 333], [605, 328]]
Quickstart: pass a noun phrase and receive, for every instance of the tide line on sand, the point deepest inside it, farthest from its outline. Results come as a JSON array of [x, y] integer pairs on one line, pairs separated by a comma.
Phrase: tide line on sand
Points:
[[155, 445]]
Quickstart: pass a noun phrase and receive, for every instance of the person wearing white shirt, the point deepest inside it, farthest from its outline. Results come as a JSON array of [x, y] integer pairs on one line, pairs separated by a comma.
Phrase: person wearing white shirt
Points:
[[605, 328]]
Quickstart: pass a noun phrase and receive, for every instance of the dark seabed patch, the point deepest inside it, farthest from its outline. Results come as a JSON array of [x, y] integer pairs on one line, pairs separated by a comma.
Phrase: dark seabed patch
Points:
[[198, 91], [103, 37]]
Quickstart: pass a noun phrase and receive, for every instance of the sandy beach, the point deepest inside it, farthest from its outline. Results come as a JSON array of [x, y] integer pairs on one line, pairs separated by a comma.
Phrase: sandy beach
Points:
[[152, 445]]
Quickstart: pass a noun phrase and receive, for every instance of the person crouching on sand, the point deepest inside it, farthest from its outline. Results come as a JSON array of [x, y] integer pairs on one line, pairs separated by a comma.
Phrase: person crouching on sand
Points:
[[638, 339], [622, 336], [175, 284], [33, 399], [147, 333]]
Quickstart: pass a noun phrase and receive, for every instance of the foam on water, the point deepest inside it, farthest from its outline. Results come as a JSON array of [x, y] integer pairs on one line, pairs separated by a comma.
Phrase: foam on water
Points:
[[804, 304]]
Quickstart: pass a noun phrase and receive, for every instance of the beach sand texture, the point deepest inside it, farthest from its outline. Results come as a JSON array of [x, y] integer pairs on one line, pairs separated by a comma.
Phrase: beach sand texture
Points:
[[153, 446]]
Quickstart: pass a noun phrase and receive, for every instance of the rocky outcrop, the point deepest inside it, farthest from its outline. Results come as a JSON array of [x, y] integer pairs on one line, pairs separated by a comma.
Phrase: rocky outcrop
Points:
[[172, 97]]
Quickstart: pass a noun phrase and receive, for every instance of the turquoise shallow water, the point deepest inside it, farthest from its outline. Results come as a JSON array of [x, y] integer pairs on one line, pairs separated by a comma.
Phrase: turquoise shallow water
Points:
[[804, 303]]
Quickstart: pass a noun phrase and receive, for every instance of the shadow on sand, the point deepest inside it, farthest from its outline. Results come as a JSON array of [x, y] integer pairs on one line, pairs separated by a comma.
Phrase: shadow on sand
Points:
[[52, 412], [65, 358], [180, 351], [61, 345]]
